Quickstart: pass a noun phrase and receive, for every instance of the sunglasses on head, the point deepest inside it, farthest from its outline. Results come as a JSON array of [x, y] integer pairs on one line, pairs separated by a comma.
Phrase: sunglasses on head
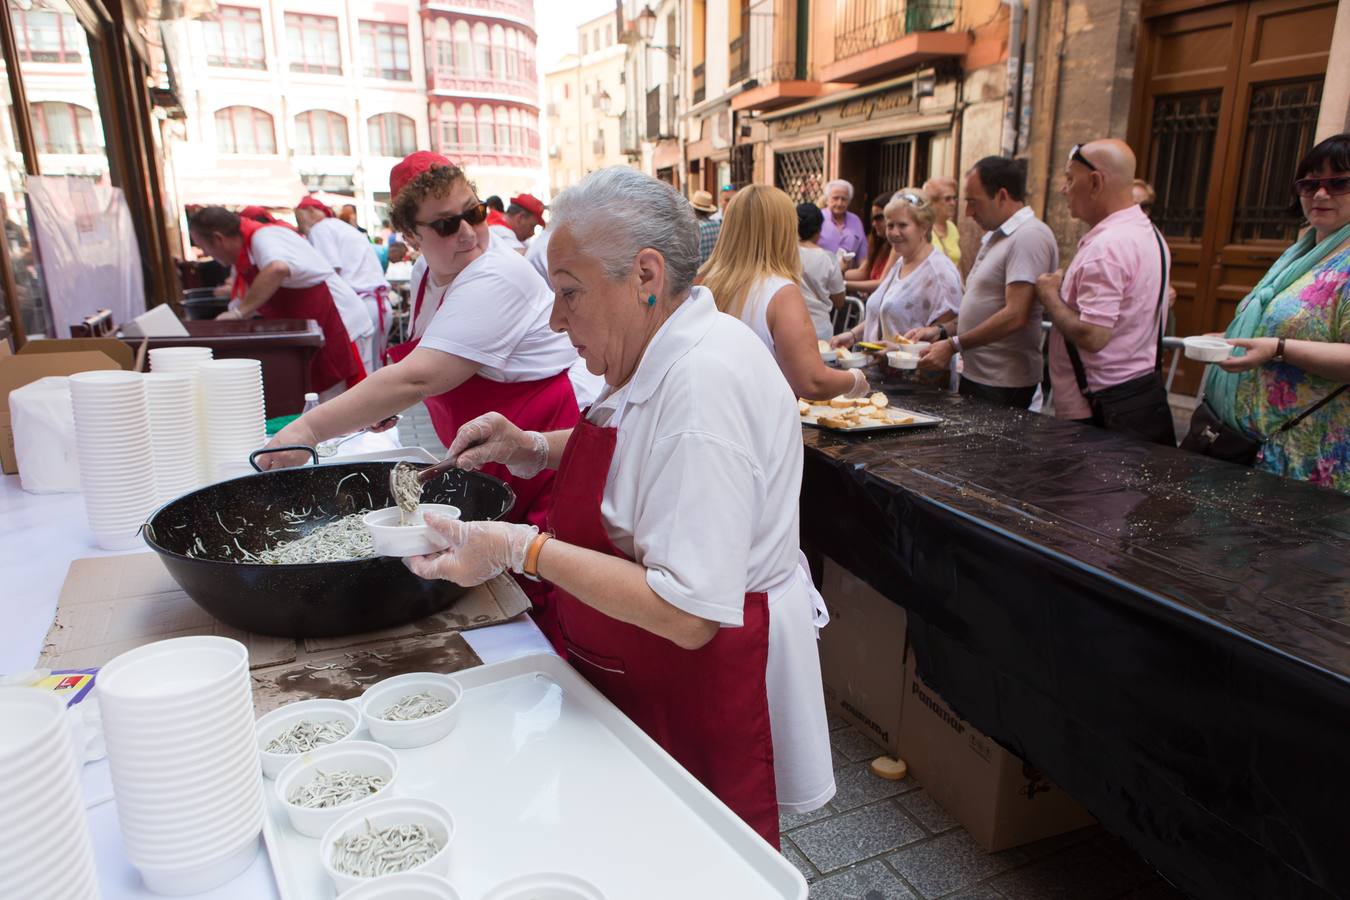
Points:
[[1076, 155], [1334, 185], [912, 199], [448, 225]]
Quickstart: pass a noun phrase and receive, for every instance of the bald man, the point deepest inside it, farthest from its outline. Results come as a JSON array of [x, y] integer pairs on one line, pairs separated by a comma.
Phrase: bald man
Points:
[[1107, 309]]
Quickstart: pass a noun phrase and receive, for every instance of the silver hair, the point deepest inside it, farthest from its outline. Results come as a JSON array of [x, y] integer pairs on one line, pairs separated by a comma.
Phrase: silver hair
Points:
[[839, 183], [617, 212]]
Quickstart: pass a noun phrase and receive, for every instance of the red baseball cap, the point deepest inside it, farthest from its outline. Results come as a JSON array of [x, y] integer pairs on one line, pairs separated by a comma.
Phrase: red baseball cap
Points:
[[312, 203], [410, 167], [532, 203]]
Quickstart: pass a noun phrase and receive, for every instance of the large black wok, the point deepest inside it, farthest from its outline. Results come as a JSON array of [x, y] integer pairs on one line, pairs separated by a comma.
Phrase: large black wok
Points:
[[316, 599]]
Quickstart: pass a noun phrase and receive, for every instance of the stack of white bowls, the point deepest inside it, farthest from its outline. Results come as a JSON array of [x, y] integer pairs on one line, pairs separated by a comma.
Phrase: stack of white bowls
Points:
[[178, 359], [175, 433], [44, 836], [178, 720], [232, 404], [117, 466]]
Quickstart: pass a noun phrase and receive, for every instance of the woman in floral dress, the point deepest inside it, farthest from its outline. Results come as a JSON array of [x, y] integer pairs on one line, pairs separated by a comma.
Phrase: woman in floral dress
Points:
[[1295, 329]]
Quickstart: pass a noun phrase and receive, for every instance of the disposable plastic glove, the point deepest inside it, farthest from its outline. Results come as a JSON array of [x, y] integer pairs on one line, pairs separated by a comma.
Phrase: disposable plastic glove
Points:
[[477, 551], [492, 438], [860, 386]]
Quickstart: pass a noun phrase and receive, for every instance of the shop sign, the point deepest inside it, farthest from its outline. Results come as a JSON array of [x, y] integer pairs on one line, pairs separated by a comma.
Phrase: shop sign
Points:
[[860, 109]]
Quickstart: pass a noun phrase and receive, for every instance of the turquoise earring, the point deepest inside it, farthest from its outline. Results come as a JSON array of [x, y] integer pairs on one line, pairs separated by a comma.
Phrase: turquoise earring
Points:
[[651, 299]]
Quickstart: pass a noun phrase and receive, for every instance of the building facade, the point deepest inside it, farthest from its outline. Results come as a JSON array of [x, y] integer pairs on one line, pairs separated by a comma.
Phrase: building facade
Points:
[[483, 90], [294, 96], [586, 106]]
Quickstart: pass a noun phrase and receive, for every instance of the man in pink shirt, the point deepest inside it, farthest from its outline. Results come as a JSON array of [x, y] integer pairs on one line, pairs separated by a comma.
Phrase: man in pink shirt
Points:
[[1107, 308]]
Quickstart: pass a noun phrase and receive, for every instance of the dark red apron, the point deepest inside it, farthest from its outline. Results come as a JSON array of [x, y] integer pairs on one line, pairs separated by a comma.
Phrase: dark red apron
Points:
[[548, 404], [337, 360], [708, 708]]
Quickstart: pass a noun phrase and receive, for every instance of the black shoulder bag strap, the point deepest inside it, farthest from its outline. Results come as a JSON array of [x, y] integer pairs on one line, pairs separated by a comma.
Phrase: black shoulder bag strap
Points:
[[1080, 375]]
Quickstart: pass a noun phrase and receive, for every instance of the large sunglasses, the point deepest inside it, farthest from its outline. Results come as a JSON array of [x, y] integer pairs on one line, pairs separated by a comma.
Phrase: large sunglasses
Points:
[[448, 225], [912, 199], [1076, 155], [1335, 185]]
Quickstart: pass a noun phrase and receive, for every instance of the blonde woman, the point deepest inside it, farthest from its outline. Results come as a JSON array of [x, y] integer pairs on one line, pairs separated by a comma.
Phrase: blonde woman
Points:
[[754, 272], [923, 287]]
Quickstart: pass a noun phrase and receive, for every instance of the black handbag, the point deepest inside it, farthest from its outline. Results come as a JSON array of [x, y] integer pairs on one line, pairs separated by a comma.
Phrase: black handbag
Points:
[[1211, 436], [1137, 407]]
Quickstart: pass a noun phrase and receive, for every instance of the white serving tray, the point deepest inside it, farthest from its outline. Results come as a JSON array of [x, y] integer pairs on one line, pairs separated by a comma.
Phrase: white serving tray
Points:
[[543, 774], [921, 420]]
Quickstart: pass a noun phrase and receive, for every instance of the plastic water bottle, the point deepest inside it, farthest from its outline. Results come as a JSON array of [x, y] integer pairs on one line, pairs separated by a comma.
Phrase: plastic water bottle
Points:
[[311, 401]]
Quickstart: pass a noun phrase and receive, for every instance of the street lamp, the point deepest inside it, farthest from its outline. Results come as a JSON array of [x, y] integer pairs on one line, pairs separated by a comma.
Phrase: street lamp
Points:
[[605, 102], [646, 27]]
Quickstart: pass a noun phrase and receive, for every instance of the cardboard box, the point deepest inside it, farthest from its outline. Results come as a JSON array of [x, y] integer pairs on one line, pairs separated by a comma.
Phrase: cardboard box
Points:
[[25, 367], [121, 353], [114, 603], [862, 656], [1001, 801]]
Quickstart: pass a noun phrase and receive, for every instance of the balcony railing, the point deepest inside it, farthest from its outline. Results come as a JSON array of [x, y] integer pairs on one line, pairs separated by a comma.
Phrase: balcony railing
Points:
[[700, 83], [861, 25], [517, 9], [773, 42], [598, 146], [628, 138], [452, 81], [739, 59]]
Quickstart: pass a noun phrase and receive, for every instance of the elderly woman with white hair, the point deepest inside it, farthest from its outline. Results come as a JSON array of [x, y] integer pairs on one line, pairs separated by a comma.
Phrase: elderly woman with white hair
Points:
[[672, 545], [843, 230]]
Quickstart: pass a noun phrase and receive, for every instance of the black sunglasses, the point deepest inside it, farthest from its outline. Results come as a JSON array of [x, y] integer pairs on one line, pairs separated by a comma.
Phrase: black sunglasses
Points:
[[1076, 155], [1335, 185], [448, 225]]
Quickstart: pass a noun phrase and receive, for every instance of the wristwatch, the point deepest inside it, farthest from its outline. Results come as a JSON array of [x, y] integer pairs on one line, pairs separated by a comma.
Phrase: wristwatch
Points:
[[1279, 351], [942, 332]]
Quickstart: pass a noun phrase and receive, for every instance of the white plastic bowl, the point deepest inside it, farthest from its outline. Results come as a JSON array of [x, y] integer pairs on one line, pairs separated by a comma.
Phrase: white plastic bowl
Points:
[[278, 720], [828, 355], [857, 362], [902, 359], [404, 886], [198, 877], [1207, 349], [417, 732], [361, 757], [383, 814], [544, 886], [172, 672], [393, 539]]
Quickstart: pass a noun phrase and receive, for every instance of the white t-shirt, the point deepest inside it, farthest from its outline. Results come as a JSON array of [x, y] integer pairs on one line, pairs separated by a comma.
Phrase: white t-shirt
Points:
[[350, 253], [922, 297], [308, 268], [755, 310], [708, 406], [495, 313], [821, 277], [506, 236], [536, 254]]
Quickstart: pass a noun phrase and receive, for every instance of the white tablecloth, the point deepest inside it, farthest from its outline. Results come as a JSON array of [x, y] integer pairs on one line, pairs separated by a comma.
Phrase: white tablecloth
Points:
[[40, 535]]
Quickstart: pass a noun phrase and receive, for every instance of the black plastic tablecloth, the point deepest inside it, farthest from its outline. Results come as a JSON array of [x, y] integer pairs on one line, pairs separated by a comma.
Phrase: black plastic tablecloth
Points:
[[1166, 636]]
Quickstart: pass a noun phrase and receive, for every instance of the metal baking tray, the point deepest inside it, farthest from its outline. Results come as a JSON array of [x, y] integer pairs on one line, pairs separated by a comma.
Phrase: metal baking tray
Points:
[[921, 420]]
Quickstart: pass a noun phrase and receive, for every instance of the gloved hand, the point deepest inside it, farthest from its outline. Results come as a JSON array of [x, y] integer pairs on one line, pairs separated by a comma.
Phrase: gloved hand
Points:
[[492, 438], [477, 551], [860, 386]]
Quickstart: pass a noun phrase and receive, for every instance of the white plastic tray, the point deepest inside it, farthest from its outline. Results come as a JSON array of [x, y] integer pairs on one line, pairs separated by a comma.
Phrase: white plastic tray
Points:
[[921, 420], [542, 773]]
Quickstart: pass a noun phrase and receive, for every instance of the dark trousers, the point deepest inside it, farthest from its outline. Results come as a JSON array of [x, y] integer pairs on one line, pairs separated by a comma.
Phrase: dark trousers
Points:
[[1018, 398]]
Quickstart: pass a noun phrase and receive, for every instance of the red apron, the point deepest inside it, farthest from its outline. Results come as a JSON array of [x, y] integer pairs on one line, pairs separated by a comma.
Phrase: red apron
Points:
[[337, 360], [548, 404], [708, 708]]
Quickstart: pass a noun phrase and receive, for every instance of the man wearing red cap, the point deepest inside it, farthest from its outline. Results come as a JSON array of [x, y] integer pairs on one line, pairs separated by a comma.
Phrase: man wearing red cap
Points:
[[524, 214], [353, 257]]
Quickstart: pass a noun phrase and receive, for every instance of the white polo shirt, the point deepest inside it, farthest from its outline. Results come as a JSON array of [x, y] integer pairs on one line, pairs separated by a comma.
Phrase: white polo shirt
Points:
[[308, 268], [703, 492], [507, 237], [495, 313], [350, 253]]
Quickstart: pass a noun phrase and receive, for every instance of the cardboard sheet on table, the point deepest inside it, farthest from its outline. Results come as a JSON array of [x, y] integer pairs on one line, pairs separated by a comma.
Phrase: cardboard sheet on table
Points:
[[112, 604]]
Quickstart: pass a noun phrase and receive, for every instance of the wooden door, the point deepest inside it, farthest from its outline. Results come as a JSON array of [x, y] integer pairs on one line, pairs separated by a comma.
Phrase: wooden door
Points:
[[1225, 106]]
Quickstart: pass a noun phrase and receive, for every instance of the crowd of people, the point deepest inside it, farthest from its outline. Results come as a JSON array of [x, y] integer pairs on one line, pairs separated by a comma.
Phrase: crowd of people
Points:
[[643, 341]]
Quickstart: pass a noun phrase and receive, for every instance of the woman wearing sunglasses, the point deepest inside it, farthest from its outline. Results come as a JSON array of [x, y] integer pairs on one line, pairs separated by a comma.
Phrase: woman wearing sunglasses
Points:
[[481, 337], [1294, 328]]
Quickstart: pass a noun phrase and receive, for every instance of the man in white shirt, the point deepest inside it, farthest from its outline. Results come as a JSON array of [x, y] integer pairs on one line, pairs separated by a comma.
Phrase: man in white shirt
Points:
[[353, 257], [523, 215]]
